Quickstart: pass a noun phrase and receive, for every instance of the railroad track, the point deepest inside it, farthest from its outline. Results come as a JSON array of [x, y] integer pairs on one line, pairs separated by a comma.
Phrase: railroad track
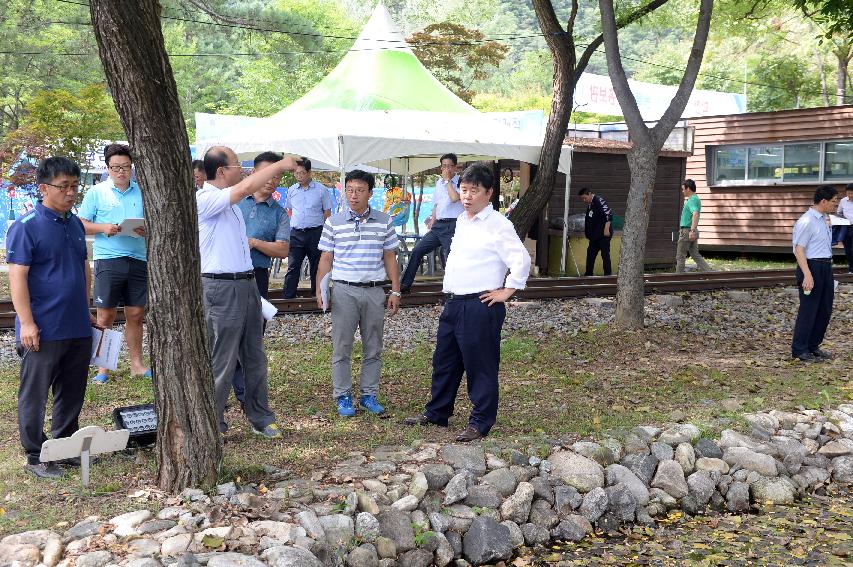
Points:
[[429, 293]]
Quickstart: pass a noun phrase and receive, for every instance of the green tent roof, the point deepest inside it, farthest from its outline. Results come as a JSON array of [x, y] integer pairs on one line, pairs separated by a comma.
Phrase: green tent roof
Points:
[[381, 72]]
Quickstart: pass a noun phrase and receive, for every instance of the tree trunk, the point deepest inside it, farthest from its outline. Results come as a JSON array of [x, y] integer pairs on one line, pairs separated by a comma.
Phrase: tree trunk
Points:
[[843, 57], [130, 43], [642, 159], [643, 164]]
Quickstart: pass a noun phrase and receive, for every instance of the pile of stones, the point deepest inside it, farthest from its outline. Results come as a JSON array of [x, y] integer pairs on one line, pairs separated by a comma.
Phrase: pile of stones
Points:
[[434, 504]]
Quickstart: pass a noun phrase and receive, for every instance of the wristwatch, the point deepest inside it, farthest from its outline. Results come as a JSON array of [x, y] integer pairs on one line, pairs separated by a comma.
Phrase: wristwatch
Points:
[[395, 293]]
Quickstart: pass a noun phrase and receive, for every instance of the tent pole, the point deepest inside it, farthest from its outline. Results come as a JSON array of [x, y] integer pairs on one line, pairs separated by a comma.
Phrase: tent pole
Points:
[[342, 173], [565, 243]]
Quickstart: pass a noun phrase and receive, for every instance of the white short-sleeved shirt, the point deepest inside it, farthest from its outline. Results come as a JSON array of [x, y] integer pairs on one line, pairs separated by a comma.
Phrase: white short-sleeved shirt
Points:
[[222, 240], [812, 233]]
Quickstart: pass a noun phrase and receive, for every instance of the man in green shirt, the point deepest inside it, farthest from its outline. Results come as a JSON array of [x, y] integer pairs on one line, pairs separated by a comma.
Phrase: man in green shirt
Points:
[[688, 232]]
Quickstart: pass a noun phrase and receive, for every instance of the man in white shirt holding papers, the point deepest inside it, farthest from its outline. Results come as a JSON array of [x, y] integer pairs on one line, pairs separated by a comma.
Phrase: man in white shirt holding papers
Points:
[[476, 285], [845, 210], [232, 303]]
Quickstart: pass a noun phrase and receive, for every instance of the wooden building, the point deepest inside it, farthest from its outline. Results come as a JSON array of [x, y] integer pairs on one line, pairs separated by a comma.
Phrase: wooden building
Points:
[[602, 166], [756, 172]]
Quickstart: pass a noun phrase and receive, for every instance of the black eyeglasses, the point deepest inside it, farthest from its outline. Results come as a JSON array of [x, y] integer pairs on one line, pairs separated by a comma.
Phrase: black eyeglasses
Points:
[[65, 188], [120, 168]]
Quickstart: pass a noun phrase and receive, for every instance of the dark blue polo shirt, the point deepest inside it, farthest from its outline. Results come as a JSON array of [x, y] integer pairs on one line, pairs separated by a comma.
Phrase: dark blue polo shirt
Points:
[[266, 221], [54, 247]]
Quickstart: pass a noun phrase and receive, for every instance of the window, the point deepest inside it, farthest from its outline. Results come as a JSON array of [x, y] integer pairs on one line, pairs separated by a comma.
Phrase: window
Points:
[[765, 162], [730, 164], [802, 162], [769, 164], [839, 161]]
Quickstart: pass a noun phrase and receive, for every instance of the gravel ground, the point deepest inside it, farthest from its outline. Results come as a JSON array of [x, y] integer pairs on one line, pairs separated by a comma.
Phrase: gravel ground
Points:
[[722, 315]]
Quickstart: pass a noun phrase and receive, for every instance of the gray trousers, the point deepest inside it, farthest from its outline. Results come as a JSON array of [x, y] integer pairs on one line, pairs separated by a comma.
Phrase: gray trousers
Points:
[[686, 246], [363, 308], [235, 329]]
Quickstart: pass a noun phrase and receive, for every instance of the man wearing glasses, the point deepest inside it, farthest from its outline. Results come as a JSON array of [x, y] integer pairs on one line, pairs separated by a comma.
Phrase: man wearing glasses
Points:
[[441, 224], [121, 269], [49, 277], [232, 303], [359, 249]]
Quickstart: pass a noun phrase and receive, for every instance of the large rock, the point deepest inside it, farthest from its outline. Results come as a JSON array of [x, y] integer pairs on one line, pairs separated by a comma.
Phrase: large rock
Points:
[[363, 556], [776, 490], [644, 466], [701, 487], [366, 527], [175, 545], [566, 500], [397, 526], [686, 457], [707, 448], [680, 433], [619, 474], [517, 506], [670, 478], [842, 469], [516, 538], [406, 503], [125, 524], [386, 548], [662, 451], [573, 528], [486, 541], [542, 489], [437, 475], [234, 560], [24, 554], [366, 503], [542, 514], [622, 504], [730, 438], [747, 459], [737, 497], [594, 504], [419, 485], [712, 464], [502, 480], [483, 496], [575, 470], [338, 528], [95, 558], [457, 488], [469, 457], [311, 524], [286, 556], [535, 535], [837, 448], [279, 531], [415, 558], [444, 552]]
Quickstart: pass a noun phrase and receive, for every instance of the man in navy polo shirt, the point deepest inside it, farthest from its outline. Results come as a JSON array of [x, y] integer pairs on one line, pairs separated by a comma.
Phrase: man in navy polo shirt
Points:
[[49, 277]]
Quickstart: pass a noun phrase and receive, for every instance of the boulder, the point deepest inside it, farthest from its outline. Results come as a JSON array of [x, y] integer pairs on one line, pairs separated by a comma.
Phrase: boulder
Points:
[[286, 556], [737, 497], [578, 471], [776, 490], [468, 457], [662, 451], [594, 504], [483, 496], [338, 528], [542, 514], [397, 527], [701, 487], [707, 448], [535, 535], [366, 527], [622, 504], [573, 528], [566, 500], [686, 457], [747, 459], [517, 506], [619, 474], [437, 475], [670, 478], [457, 488], [679, 433], [712, 464], [501, 480], [842, 469], [486, 541], [516, 538], [363, 556], [236, 560], [644, 466]]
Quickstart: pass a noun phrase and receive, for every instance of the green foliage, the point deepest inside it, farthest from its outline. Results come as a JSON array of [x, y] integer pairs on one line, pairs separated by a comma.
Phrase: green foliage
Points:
[[422, 536]]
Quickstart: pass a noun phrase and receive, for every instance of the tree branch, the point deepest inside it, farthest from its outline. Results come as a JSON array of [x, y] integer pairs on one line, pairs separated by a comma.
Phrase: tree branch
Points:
[[638, 14], [570, 26]]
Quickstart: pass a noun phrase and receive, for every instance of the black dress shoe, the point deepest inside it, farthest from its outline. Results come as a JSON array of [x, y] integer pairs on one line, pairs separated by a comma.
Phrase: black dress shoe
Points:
[[45, 470], [74, 462], [806, 357], [822, 354], [470, 434], [420, 420]]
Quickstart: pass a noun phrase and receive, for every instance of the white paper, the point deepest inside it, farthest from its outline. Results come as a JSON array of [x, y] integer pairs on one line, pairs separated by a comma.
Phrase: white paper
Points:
[[127, 227], [106, 345], [838, 221], [324, 290], [268, 309]]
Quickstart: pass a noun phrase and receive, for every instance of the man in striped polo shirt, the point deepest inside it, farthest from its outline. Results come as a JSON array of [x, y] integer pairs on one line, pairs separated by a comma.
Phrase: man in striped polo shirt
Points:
[[358, 246]]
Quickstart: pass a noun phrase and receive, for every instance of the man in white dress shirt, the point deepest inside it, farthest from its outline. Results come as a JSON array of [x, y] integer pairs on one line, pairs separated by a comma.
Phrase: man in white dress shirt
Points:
[[232, 303], [441, 224], [476, 285]]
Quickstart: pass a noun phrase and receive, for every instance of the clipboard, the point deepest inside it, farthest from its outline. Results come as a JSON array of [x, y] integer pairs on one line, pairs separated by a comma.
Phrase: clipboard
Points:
[[106, 346], [127, 227]]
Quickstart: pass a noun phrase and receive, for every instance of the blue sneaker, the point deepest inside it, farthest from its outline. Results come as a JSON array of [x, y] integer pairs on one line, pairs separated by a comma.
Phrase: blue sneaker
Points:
[[101, 378], [370, 404], [345, 408]]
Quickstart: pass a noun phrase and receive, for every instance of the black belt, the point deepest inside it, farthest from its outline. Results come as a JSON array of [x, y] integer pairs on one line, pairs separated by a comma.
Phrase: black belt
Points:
[[306, 229], [445, 220], [821, 260], [361, 284], [463, 296], [231, 276], [684, 228]]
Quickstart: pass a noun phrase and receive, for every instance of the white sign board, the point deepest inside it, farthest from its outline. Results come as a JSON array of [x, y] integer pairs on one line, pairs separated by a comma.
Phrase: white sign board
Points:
[[91, 440], [594, 93]]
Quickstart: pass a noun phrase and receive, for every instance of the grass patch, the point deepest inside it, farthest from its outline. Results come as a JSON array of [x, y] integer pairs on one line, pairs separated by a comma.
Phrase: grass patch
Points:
[[599, 382]]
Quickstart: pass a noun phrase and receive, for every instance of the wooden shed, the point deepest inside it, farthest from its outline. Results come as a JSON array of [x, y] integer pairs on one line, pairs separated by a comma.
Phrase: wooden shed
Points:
[[602, 166], [756, 172]]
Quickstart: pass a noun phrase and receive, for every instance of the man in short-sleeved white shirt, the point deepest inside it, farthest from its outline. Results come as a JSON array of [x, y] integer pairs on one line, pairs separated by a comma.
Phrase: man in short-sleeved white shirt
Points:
[[232, 303]]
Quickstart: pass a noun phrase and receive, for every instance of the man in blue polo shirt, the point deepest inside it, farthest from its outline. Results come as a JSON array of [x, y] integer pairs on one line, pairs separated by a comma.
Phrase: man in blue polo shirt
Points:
[[121, 270], [49, 278], [309, 204], [268, 231]]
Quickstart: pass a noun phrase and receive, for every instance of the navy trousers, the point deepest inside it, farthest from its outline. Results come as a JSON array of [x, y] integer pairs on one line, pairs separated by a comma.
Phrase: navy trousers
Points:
[[441, 234], [469, 341], [815, 308], [601, 244], [303, 242]]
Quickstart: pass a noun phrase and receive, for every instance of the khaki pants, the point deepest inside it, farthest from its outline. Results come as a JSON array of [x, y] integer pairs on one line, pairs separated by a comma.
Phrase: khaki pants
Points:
[[687, 246]]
